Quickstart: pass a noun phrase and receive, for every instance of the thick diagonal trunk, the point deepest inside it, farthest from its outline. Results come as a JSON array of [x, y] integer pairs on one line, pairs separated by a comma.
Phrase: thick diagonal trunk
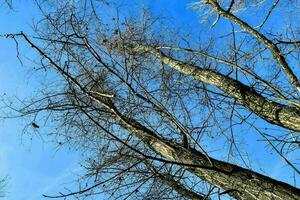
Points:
[[236, 181], [273, 112]]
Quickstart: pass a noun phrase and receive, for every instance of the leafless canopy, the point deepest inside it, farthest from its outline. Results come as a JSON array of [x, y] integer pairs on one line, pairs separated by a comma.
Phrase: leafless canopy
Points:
[[162, 112]]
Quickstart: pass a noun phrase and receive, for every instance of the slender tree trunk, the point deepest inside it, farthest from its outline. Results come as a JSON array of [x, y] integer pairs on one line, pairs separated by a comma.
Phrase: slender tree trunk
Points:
[[260, 37]]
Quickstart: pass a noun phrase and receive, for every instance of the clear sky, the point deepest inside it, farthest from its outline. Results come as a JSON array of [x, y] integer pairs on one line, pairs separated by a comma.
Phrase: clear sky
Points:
[[34, 167]]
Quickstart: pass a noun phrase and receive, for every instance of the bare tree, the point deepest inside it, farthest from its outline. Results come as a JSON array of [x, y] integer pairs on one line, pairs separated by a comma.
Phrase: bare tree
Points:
[[147, 103]]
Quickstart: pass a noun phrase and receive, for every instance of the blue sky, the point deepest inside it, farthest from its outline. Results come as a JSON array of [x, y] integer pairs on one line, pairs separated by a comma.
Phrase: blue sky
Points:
[[35, 167]]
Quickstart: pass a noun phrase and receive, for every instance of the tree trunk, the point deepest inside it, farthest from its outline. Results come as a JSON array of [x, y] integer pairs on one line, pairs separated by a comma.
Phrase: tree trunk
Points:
[[236, 181], [273, 112]]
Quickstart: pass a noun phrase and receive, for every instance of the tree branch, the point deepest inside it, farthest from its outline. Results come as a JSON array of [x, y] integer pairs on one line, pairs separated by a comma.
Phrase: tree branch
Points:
[[273, 112], [268, 43]]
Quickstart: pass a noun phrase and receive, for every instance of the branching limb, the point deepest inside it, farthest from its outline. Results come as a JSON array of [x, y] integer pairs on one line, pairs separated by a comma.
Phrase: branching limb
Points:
[[277, 54], [273, 112]]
